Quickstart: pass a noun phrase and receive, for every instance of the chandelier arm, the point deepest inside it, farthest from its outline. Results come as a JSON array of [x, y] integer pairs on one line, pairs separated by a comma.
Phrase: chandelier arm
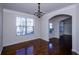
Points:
[[39, 7], [39, 13]]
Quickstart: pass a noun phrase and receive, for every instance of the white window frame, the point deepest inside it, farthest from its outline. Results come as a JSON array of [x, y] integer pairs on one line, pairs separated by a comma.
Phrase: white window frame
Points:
[[24, 26]]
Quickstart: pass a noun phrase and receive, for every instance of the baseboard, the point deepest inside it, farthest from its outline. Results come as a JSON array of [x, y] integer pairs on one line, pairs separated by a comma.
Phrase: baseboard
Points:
[[75, 51], [1, 51], [20, 42]]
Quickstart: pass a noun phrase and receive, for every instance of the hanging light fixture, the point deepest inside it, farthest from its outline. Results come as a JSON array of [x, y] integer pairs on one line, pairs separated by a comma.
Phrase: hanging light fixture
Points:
[[39, 13]]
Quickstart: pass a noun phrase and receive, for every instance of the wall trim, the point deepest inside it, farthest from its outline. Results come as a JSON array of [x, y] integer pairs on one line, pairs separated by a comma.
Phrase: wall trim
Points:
[[1, 51], [75, 51], [25, 41]]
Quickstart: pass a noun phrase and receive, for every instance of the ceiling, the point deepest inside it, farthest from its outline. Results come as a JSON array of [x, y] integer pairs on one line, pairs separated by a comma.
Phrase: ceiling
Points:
[[32, 7]]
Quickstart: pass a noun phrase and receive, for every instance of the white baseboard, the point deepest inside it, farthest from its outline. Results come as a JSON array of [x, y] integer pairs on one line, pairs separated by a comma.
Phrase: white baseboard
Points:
[[75, 51], [1, 51]]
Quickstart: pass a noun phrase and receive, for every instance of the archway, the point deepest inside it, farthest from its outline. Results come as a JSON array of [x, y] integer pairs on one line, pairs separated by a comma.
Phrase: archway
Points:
[[60, 31]]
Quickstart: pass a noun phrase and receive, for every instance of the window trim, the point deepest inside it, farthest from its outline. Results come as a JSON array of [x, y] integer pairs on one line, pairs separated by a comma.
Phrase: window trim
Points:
[[25, 26]]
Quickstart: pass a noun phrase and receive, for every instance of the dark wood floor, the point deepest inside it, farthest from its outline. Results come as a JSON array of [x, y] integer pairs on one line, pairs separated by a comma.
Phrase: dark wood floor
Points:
[[58, 49], [40, 47]]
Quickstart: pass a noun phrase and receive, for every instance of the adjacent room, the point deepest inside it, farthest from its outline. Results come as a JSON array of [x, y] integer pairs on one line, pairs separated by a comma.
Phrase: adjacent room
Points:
[[39, 29]]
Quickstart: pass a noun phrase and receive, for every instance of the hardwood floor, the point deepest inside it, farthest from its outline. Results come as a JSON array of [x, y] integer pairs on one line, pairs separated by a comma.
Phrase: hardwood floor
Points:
[[37, 47], [62, 46]]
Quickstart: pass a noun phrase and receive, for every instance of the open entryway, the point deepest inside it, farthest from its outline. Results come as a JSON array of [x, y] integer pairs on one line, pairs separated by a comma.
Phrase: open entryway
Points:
[[60, 34]]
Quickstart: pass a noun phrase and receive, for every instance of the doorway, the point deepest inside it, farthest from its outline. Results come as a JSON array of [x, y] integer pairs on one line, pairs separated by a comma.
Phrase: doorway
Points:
[[60, 34], [65, 28]]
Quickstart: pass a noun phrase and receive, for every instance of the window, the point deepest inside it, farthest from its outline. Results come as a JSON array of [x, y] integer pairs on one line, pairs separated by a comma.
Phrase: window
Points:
[[30, 26], [50, 27], [24, 26], [61, 26], [21, 25]]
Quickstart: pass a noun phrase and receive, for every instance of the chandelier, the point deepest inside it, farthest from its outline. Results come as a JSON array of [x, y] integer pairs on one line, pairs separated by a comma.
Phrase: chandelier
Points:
[[39, 13]]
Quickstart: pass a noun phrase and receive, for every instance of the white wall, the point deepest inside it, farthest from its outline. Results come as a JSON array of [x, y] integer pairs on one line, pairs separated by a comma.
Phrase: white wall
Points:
[[77, 30], [68, 27], [9, 28], [71, 10], [1, 28]]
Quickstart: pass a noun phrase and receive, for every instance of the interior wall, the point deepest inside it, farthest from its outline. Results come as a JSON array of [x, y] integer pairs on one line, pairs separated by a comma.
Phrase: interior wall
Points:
[[1, 11], [71, 10], [9, 28], [77, 30], [68, 27]]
